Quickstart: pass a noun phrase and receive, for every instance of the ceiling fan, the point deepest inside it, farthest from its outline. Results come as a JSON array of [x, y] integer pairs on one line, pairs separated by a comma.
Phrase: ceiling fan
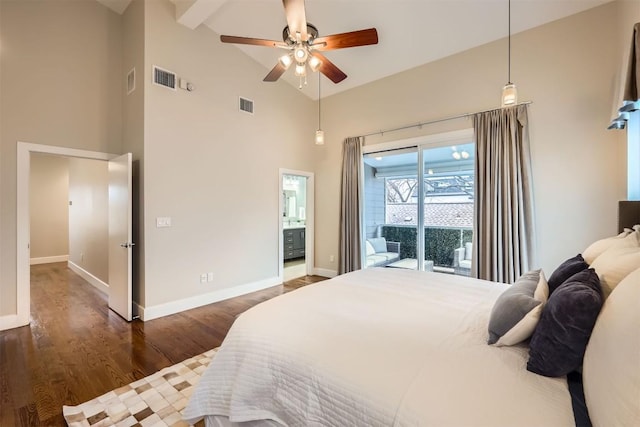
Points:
[[301, 40]]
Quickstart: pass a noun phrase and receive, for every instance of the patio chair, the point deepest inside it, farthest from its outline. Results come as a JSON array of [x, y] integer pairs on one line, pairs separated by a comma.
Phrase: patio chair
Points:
[[462, 259]]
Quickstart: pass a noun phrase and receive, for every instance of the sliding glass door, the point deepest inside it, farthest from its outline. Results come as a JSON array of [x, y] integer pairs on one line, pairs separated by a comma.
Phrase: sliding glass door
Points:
[[418, 208], [391, 209], [448, 208]]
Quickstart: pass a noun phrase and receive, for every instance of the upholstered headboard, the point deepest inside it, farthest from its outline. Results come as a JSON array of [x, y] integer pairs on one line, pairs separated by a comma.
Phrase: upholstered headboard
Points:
[[628, 214]]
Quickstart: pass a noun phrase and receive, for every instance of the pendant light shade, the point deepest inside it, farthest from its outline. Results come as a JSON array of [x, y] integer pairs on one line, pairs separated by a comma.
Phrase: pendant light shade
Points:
[[509, 91], [509, 95], [319, 132]]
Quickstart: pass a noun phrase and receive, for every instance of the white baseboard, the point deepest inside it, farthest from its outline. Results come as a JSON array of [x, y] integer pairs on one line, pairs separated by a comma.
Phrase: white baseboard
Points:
[[49, 259], [11, 321], [160, 310], [93, 280], [325, 272]]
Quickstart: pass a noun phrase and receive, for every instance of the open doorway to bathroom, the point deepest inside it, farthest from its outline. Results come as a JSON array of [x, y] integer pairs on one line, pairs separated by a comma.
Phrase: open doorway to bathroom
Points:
[[296, 209]]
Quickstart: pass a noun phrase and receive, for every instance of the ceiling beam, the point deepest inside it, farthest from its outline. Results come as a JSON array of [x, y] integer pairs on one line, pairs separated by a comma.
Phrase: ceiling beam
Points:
[[192, 13]]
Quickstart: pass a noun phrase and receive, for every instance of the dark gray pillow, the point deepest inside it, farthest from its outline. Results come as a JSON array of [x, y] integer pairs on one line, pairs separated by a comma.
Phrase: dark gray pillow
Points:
[[517, 311], [559, 341], [566, 270]]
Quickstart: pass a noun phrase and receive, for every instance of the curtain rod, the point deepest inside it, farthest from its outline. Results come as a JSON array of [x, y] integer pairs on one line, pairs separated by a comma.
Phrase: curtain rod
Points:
[[444, 119]]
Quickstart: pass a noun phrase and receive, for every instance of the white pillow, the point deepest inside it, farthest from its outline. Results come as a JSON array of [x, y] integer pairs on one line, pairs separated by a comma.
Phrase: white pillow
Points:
[[369, 249], [615, 264], [611, 369], [598, 247], [379, 244]]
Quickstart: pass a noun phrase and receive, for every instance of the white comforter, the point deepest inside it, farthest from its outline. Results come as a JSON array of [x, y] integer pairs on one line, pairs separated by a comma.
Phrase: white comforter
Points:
[[377, 347]]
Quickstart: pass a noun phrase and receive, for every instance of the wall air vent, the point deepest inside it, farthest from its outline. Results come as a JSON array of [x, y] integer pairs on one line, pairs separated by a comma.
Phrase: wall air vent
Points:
[[131, 81], [164, 78], [246, 105]]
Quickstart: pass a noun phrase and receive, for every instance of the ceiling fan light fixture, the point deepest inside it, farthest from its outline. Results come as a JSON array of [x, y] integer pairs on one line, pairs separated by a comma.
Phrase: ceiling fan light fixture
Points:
[[509, 95], [314, 63], [300, 39], [286, 61], [301, 70], [300, 53]]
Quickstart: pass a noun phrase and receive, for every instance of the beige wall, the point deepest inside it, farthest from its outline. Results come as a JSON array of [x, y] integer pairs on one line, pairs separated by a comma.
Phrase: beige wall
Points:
[[48, 203], [61, 85], [212, 169], [89, 216], [566, 68], [133, 30]]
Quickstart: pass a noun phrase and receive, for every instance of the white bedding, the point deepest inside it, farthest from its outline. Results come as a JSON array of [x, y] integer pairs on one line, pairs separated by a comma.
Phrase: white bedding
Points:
[[377, 347]]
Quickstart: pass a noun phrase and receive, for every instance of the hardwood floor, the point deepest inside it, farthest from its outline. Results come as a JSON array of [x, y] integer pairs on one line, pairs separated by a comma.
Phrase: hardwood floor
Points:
[[76, 348]]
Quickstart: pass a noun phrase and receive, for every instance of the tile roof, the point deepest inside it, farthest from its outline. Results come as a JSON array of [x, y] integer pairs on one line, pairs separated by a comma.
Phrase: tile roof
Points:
[[456, 215]]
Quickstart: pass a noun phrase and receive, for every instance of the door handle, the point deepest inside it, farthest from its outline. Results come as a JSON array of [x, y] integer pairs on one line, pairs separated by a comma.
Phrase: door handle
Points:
[[127, 245]]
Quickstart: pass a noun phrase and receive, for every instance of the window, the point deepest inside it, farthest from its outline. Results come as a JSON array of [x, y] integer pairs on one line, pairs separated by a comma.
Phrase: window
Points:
[[431, 215], [633, 156]]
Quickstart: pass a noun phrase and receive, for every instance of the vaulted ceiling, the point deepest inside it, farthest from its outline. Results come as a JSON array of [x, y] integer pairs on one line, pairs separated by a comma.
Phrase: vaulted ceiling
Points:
[[411, 32]]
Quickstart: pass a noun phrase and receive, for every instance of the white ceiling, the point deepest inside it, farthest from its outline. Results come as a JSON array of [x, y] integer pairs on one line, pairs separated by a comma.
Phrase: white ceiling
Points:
[[410, 32]]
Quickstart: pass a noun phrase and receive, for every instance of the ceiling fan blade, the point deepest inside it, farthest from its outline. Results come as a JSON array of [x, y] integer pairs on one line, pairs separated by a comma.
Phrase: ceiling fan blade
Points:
[[351, 39], [296, 18], [275, 73], [329, 69], [252, 41]]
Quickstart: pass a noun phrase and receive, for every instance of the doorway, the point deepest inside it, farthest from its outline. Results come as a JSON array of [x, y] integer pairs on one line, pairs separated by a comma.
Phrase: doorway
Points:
[[69, 219], [295, 224], [24, 154]]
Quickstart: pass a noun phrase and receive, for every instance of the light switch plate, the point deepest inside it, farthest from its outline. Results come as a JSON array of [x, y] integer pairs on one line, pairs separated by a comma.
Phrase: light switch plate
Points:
[[163, 221]]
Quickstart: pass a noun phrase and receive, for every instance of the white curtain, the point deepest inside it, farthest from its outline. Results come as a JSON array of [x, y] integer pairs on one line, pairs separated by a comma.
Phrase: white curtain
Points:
[[349, 258], [504, 235]]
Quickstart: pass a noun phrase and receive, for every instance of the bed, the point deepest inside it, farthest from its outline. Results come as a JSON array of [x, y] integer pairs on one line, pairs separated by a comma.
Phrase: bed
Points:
[[394, 347]]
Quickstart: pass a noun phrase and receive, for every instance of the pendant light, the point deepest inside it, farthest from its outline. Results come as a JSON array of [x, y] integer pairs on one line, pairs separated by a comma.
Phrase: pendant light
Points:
[[319, 132], [509, 91]]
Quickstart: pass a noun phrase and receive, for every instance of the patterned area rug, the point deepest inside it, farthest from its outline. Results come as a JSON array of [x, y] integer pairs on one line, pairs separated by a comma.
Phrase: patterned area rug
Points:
[[157, 400]]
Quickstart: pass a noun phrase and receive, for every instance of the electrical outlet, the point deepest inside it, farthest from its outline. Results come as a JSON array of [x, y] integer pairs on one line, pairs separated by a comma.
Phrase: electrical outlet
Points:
[[209, 277], [331, 258], [203, 278]]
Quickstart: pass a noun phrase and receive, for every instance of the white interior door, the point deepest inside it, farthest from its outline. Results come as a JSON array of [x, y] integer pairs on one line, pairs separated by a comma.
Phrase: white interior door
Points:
[[120, 244]]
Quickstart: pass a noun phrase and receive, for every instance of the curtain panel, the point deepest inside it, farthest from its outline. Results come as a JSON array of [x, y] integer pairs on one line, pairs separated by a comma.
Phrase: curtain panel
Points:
[[504, 236], [349, 258], [631, 92], [633, 71]]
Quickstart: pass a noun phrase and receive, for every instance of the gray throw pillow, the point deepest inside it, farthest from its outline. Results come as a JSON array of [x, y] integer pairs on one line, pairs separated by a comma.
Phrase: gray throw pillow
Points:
[[517, 311]]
